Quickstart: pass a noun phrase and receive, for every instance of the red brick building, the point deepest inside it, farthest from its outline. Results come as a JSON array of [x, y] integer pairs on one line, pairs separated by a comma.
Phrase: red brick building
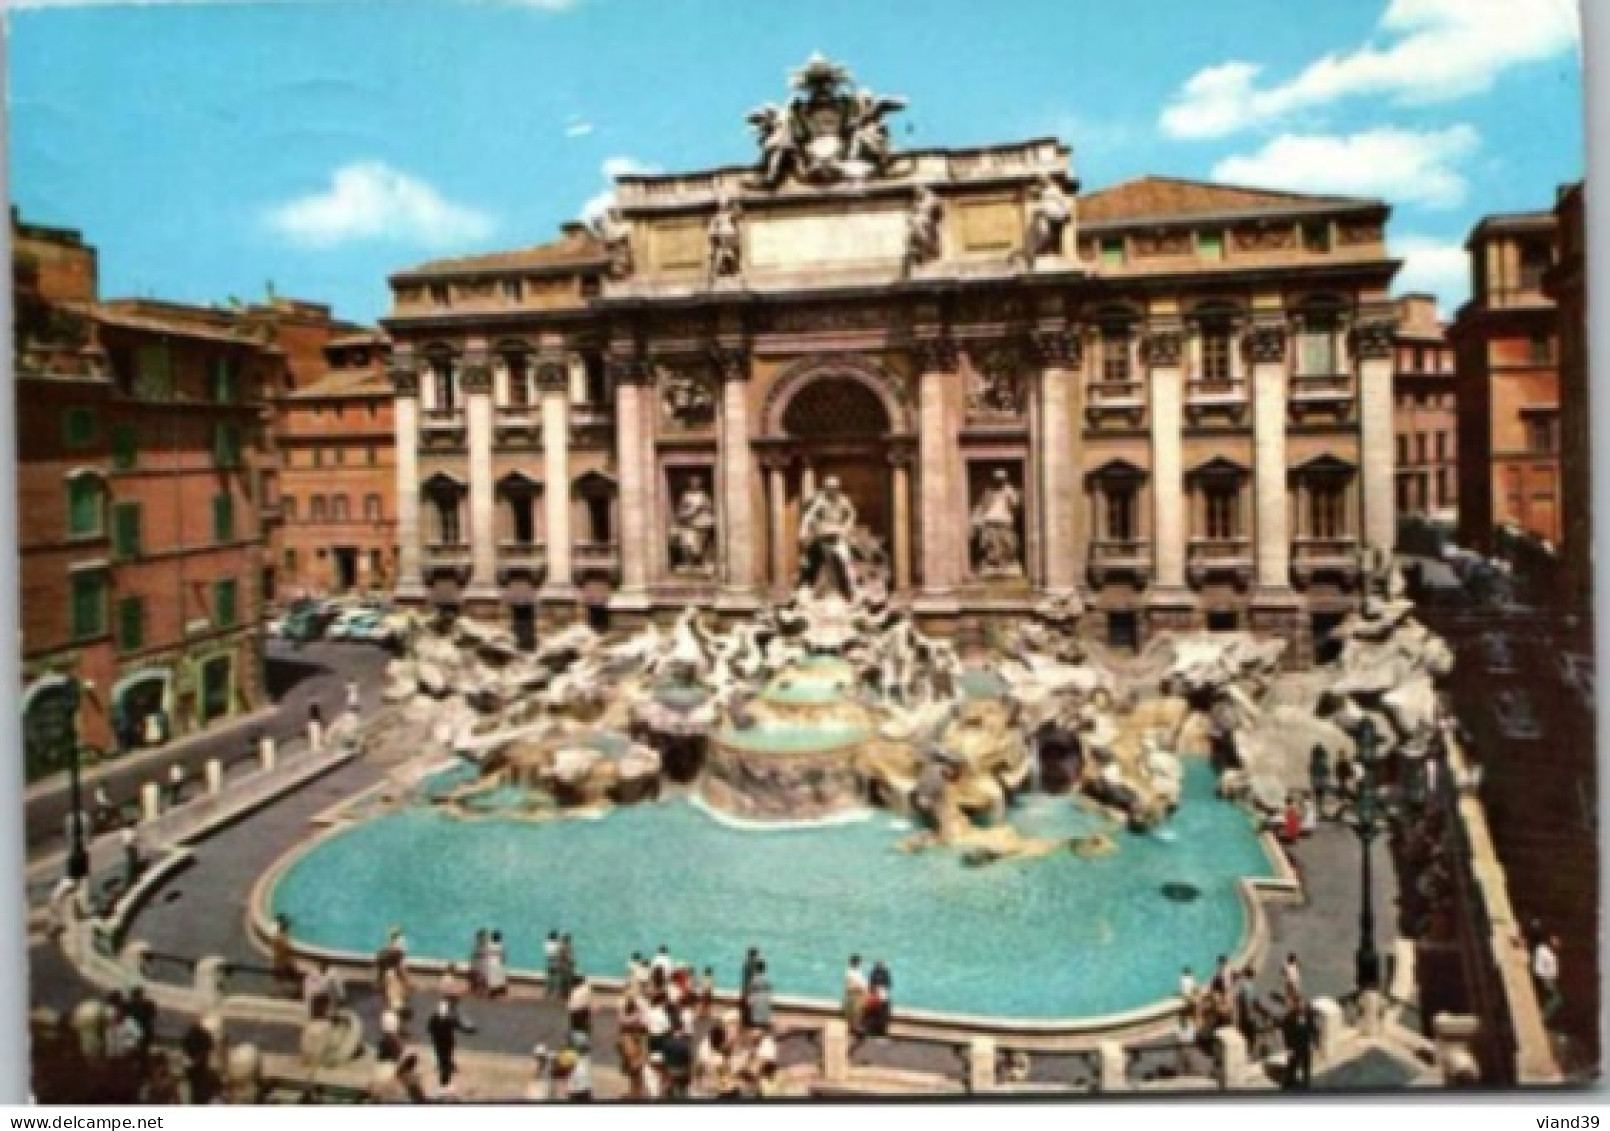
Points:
[[1425, 412], [139, 452], [1505, 340], [338, 479], [1566, 283]]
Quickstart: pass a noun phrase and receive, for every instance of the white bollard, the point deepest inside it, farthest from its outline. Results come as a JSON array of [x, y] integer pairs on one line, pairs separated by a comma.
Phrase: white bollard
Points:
[[1231, 1055], [215, 777], [209, 984], [981, 1065], [150, 801], [266, 753], [1114, 1067], [315, 735], [835, 1052], [1330, 1025]]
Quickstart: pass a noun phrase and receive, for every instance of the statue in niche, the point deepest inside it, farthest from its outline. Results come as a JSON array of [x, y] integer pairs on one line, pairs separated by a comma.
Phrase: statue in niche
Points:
[[726, 257], [693, 530], [1049, 215], [688, 398], [922, 228], [825, 544], [616, 236], [998, 386], [994, 527]]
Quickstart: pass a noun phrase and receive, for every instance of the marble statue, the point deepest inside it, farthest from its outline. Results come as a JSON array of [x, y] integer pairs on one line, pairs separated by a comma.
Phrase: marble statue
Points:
[[726, 255], [825, 528], [616, 236], [779, 147], [868, 133], [693, 529], [689, 399], [828, 131], [922, 228], [995, 524], [1049, 216]]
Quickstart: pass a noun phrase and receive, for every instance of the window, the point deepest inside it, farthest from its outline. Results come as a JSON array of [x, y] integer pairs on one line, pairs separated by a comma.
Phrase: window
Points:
[[591, 287], [1540, 350], [1115, 354], [1316, 237], [598, 516], [1442, 447], [522, 517], [221, 373], [338, 508], [439, 294], [447, 531], [130, 624], [519, 370], [340, 456], [371, 507], [126, 530], [1420, 448], [78, 427], [1542, 432], [290, 562], [1403, 451], [1221, 504], [1112, 251], [318, 457], [511, 290], [1120, 512], [442, 383], [125, 446], [89, 604], [1210, 245], [1327, 510], [288, 505], [226, 444], [86, 506], [371, 455], [154, 366], [1443, 496], [223, 603], [1316, 346], [1216, 353], [223, 517], [320, 513], [1535, 260]]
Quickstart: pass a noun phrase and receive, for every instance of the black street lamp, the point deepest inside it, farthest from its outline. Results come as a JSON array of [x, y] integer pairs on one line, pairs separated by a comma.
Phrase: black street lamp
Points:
[[77, 853], [1375, 804]]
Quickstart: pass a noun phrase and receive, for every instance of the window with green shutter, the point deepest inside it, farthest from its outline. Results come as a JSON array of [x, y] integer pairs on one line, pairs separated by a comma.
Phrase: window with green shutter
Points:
[[126, 530], [223, 517], [226, 445], [131, 624], [89, 604], [155, 365], [78, 427], [86, 506], [223, 603], [125, 446], [1210, 245], [221, 379], [1112, 251]]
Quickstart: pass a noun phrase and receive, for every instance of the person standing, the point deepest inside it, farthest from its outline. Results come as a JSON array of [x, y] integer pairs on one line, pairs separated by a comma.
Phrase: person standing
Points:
[[1292, 980], [579, 1006], [282, 960], [1246, 1012], [1319, 773], [881, 984], [1299, 1034], [751, 962], [757, 1006], [495, 971], [855, 991], [175, 784], [579, 1081], [315, 727], [443, 1029], [1546, 970], [550, 956]]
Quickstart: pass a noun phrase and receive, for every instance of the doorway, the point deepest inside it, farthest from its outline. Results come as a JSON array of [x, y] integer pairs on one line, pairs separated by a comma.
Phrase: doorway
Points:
[[346, 568], [217, 678], [523, 623]]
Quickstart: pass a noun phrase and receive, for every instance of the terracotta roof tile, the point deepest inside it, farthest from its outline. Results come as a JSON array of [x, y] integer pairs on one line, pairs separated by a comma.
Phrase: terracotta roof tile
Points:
[[578, 247], [1159, 198], [344, 383]]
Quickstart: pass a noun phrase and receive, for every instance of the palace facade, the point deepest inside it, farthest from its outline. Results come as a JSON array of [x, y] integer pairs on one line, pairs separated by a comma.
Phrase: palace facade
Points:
[[1168, 401]]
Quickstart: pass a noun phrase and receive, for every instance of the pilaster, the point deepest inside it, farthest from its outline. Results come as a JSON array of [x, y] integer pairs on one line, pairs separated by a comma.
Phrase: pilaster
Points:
[[737, 473], [630, 376], [1266, 345], [553, 387], [1170, 606], [405, 417], [936, 359], [1372, 346], [1059, 459], [476, 382]]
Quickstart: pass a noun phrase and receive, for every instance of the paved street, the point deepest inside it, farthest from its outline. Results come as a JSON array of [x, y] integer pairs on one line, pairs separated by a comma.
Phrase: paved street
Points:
[[317, 673]]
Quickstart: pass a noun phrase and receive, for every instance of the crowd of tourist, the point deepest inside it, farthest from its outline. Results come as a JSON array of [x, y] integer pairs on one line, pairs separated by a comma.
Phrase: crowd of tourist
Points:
[[1230, 1000]]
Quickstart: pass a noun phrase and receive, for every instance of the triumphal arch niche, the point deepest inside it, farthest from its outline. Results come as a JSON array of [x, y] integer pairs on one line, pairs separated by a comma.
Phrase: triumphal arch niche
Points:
[[892, 323]]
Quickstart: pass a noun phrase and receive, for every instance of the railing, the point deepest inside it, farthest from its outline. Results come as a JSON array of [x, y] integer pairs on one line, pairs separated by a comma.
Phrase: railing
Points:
[[1230, 557], [596, 555], [1328, 551], [1117, 393], [447, 555], [1111, 556], [1215, 390], [1322, 386]]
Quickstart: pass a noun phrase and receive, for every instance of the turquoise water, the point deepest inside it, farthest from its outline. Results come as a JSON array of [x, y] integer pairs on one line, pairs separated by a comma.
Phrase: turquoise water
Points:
[[1054, 938]]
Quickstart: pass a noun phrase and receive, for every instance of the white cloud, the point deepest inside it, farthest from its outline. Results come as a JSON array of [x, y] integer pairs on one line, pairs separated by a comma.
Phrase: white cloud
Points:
[[578, 129], [613, 167], [1424, 51], [369, 200], [1408, 166], [1440, 267]]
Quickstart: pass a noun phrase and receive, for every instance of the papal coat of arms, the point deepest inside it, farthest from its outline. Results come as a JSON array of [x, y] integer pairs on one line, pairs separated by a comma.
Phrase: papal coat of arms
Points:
[[829, 131]]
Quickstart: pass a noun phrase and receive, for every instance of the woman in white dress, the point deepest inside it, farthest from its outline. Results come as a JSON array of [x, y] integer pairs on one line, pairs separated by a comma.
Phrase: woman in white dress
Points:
[[495, 972]]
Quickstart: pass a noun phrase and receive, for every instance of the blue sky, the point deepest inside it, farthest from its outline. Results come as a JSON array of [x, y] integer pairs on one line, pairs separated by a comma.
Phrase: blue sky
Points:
[[209, 148]]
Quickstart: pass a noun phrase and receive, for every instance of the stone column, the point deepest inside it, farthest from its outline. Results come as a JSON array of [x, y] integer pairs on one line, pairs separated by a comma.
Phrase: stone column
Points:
[[405, 417], [1372, 347], [737, 470], [1170, 601], [629, 377], [1266, 348], [553, 383], [901, 461], [936, 444], [477, 385], [777, 515], [1059, 458]]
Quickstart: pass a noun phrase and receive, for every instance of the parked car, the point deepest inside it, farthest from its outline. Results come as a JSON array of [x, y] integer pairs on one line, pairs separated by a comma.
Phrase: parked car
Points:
[[309, 624], [356, 624], [1516, 718]]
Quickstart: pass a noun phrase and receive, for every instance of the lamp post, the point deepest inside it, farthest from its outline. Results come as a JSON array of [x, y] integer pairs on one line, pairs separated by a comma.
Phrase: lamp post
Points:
[[77, 853]]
